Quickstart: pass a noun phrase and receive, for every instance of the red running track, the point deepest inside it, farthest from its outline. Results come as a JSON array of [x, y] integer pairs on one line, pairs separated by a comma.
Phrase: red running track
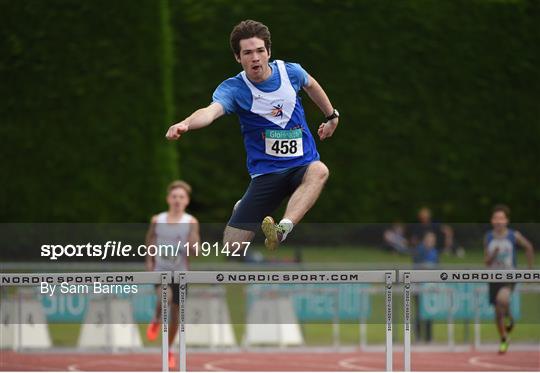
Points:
[[285, 361]]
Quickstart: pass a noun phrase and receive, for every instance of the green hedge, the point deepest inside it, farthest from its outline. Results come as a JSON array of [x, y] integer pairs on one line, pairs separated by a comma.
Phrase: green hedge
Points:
[[439, 103], [84, 109]]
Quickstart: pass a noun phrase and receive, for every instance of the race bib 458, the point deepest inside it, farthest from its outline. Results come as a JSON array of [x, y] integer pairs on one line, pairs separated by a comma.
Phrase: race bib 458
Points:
[[284, 143]]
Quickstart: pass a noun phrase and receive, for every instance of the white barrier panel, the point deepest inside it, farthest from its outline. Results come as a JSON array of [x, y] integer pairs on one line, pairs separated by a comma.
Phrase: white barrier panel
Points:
[[294, 277], [35, 279], [266, 325], [109, 324], [442, 276], [208, 319], [471, 275], [216, 334], [23, 325], [88, 278], [286, 277]]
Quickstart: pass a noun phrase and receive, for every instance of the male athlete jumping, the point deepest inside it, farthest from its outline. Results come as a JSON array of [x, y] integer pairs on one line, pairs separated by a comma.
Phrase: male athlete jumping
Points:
[[282, 158]]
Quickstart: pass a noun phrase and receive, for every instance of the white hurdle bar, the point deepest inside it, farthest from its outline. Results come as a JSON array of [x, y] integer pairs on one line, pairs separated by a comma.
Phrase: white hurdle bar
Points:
[[289, 277], [443, 276], [88, 278]]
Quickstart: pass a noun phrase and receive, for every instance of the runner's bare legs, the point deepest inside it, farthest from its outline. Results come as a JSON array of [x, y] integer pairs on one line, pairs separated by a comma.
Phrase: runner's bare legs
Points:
[[232, 235], [302, 199], [502, 310], [305, 196]]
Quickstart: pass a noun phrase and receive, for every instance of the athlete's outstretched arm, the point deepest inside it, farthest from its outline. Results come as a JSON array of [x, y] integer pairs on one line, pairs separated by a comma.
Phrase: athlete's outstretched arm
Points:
[[319, 97], [488, 259], [529, 250], [199, 119], [194, 237], [151, 240]]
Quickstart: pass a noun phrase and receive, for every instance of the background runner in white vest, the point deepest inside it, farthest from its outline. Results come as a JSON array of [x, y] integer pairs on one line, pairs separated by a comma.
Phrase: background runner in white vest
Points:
[[174, 228], [500, 250]]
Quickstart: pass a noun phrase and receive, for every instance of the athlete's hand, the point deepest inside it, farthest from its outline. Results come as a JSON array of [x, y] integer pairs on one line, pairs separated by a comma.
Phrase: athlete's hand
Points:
[[177, 130], [327, 129]]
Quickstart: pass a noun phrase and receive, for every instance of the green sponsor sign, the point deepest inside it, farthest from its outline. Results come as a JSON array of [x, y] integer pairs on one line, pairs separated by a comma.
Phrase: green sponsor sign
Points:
[[72, 307], [284, 134], [462, 299], [317, 302]]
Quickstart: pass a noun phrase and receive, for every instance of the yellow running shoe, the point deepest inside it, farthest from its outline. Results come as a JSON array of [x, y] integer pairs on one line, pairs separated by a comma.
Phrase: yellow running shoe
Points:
[[273, 233], [503, 346]]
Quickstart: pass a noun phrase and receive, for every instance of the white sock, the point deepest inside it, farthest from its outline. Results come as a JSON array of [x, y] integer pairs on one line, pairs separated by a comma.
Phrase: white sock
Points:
[[287, 226]]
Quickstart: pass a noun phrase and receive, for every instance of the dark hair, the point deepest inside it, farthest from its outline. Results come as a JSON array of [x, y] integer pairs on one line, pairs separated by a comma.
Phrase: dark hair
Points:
[[249, 29], [502, 208]]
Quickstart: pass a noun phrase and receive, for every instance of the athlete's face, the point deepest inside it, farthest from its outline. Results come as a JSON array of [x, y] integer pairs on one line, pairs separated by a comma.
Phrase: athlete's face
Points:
[[178, 199], [499, 220], [254, 59], [424, 215]]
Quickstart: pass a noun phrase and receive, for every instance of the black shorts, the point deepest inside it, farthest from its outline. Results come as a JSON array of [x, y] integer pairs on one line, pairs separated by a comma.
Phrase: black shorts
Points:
[[264, 194], [175, 293], [494, 288]]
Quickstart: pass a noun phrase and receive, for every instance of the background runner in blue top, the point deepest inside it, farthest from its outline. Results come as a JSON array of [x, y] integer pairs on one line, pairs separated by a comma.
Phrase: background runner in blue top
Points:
[[500, 253]]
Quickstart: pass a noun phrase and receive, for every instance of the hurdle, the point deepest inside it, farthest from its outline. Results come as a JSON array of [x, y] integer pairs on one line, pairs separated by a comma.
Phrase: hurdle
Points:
[[445, 276], [88, 278], [285, 277]]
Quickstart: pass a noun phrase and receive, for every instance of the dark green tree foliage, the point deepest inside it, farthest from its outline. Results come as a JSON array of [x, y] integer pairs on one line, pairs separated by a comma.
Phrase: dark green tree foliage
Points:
[[439, 103], [83, 110]]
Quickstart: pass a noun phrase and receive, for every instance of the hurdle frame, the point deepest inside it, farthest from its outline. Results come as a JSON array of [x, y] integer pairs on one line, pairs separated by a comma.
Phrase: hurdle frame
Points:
[[139, 278], [409, 277], [386, 277]]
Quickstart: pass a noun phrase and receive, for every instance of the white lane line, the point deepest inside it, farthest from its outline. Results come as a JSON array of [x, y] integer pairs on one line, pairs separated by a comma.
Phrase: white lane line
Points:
[[349, 364], [212, 365], [73, 368], [216, 365], [476, 361], [109, 362], [23, 366]]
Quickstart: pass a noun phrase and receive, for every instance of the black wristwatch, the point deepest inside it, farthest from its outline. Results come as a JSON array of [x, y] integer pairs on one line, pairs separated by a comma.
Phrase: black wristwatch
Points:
[[334, 115]]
